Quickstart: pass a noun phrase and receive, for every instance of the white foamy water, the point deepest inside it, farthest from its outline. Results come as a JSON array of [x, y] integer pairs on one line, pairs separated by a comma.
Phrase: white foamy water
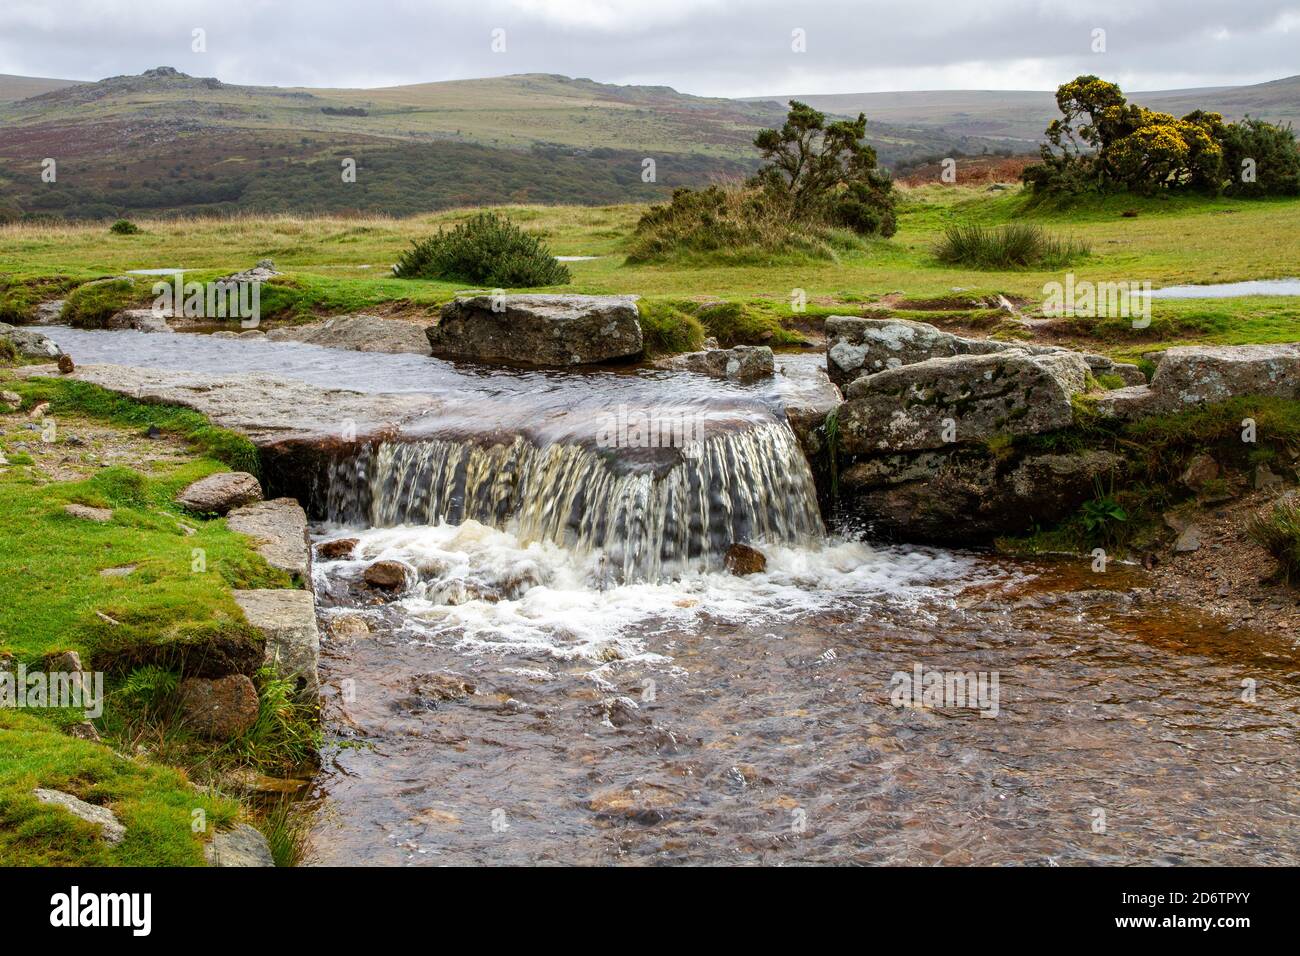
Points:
[[486, 590]]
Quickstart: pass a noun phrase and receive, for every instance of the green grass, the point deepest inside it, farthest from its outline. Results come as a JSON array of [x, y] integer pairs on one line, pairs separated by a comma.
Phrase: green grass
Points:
[[338, 265], [169, 616], [67, 396], [156, 804]]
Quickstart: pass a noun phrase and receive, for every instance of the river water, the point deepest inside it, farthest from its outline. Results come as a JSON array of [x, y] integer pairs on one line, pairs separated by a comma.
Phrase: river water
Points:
[[529, 699]]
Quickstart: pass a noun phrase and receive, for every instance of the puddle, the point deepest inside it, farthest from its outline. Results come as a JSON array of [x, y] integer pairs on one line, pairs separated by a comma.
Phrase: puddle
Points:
[[1229, 290]]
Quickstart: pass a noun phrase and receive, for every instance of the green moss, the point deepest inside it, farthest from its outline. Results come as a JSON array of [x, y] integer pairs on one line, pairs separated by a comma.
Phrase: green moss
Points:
[[90, 306], [668, 328]]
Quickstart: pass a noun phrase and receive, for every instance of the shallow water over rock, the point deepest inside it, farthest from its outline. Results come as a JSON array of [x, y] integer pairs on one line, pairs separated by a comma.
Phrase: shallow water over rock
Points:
[[720, 720]]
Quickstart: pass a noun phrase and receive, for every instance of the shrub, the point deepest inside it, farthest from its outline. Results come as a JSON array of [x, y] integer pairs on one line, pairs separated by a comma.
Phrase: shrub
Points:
[[488, 249], [1268, 151], [1007, 247], [124, 227], [1276, 528]]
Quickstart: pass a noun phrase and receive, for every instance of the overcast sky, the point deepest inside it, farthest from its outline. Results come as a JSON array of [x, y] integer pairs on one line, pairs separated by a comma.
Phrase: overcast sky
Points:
[[709, 47]]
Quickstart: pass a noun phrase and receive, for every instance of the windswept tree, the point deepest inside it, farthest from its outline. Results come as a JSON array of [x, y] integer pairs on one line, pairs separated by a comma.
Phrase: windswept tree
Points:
[[827, 170]]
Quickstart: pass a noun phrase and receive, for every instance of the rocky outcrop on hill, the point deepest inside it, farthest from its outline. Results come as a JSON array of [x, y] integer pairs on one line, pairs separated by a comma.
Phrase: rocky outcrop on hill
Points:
[[538, 329]]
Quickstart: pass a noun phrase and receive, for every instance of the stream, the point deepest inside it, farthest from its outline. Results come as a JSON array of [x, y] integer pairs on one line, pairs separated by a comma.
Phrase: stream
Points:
[[572, 676]]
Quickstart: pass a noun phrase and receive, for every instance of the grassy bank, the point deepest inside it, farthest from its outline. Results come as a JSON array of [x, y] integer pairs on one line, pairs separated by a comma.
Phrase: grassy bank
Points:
[[144, 597], [337, 265]]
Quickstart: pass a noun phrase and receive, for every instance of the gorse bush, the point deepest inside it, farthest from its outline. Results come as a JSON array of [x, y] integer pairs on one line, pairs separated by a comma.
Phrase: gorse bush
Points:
[[1015, 246], [1276, 528], [1102, 142], [124, 227], [489, 250]]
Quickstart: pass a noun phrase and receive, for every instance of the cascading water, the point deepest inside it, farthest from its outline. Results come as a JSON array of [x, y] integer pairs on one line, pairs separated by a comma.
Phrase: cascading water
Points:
[[744, 485]]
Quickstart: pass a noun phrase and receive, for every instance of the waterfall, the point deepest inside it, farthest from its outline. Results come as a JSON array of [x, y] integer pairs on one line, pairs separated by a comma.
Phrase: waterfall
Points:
[[746, 485]]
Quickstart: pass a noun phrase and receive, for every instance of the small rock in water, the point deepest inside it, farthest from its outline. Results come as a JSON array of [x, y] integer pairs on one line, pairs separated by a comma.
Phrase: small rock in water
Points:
[[389, 575], [337, 549], [742, 559], [347, 626], [65, 365]]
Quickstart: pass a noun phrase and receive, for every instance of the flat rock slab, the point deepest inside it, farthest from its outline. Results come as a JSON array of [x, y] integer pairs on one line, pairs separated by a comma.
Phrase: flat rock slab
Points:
[[87, 513], [539, 329], [287, 618], [266, 409], [110, 827], [361, 333], [959, 400], [280, 528], [1190, 375], [241, 846]]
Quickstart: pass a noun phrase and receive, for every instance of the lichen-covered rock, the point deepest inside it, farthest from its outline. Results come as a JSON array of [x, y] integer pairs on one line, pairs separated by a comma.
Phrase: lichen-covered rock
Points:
[[218, 708], [538, 329], [862, 346], [241, 846], [743, 363], [87, 513], [219, 493], [960, 400], [1191, 375], [28, 342]]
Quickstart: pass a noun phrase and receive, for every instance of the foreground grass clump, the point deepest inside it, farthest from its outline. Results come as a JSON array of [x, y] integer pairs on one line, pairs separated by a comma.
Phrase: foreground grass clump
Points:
[[90, 306], [487, 249], [1277, 530], [1014, 246], [732, 226]]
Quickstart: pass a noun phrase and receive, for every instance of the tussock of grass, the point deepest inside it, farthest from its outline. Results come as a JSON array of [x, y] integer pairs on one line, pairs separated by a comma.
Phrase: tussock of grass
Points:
[[19, 297], [732, 226], [1276, 528], [668, 328], [1013, 246]]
